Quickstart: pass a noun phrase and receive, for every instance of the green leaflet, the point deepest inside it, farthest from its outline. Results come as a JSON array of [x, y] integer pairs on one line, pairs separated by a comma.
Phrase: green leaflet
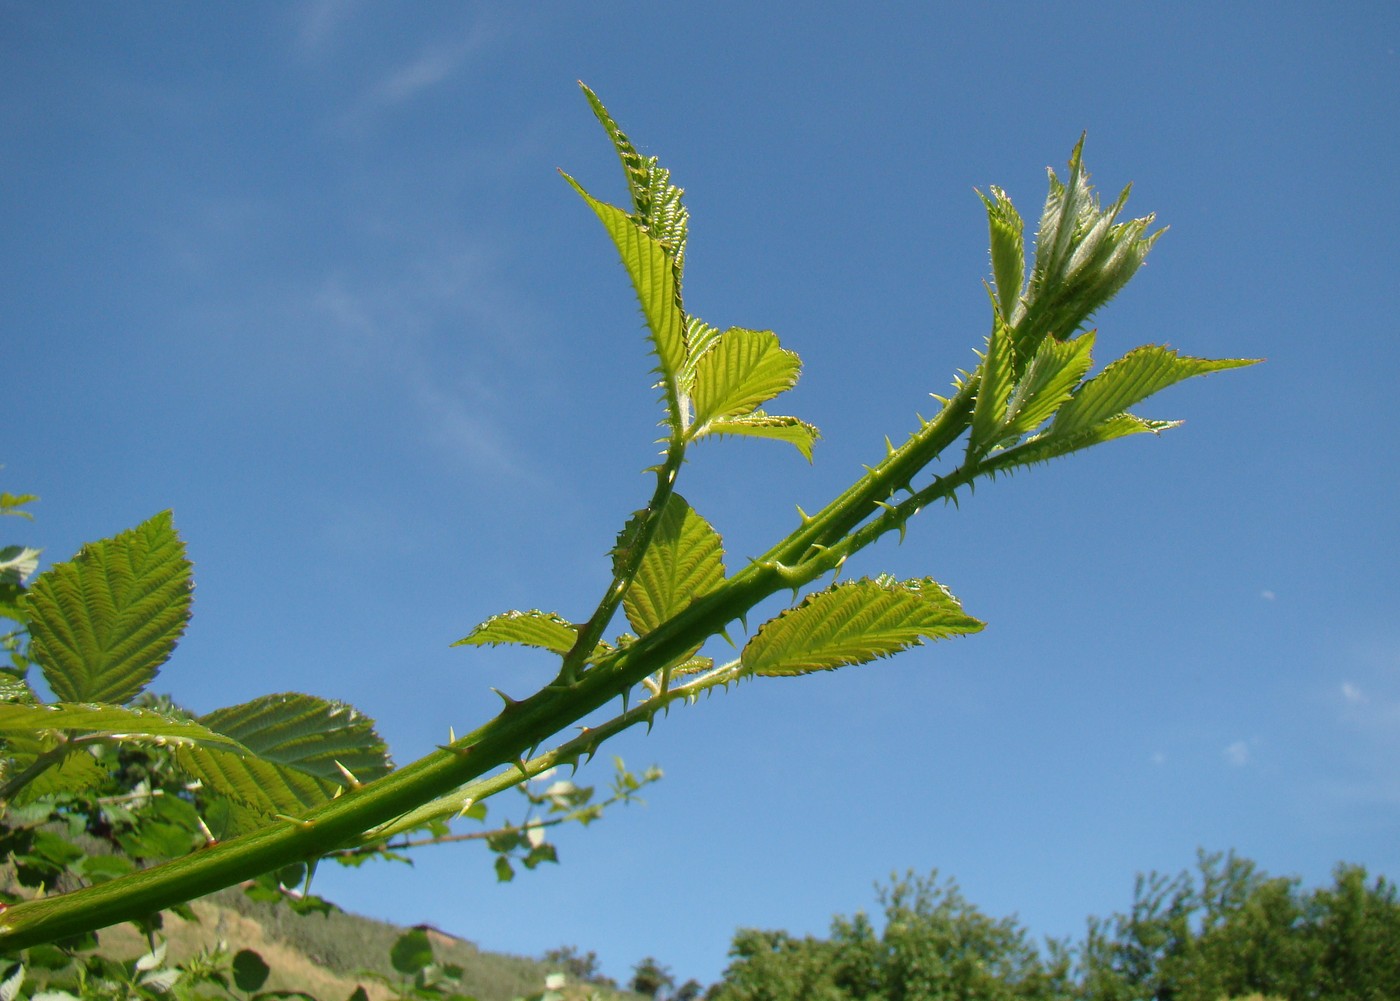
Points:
[[656, 201], [298, 743], [1049, 445], [684, 561], [993, 390], [649, 267], [11, 504], [760, 425], [76, 772], [102, 624], [741, 370], [1007, 237], [1129, 380], [1047, 383], [533, 628], [119, 723], [855, 622]]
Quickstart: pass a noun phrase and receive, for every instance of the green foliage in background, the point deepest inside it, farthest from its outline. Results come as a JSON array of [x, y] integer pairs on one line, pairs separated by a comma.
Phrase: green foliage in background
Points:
[[1224, 931], [275, 785]]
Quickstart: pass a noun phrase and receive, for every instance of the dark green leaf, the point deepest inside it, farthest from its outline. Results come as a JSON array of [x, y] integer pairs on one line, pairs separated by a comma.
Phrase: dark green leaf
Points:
[[102, 624], [249, 970], [412, 952]]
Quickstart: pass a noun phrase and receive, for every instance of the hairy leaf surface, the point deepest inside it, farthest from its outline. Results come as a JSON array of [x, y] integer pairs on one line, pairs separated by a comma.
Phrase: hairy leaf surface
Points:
[[103, 623], [1007, 233], [855, 622], [1129, 380], [743, 369], [993, 390], [1048, 380], [296, 741], [532, 628], [684, 561]]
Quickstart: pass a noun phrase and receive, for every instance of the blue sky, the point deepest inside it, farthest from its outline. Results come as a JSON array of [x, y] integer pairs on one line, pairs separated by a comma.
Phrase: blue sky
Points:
[[305, 274]]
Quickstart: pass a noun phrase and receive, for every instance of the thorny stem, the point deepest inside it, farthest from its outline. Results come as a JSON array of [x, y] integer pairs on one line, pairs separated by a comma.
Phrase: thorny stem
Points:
[[520, 725]]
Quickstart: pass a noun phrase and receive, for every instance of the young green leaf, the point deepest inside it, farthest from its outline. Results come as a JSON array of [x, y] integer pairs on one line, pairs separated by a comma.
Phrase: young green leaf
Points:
[[998, 375], [1007, 235], [1047, 382], [533, 628], [795, 432], [684, 561], [299, 745], [102, 624], [649, 267], [655, 199], [855, 622], [743, 369], [1129, 380], [1051, 444]]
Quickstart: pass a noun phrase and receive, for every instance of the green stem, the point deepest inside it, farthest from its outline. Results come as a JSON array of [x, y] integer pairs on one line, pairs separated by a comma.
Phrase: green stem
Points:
[[510, 735]]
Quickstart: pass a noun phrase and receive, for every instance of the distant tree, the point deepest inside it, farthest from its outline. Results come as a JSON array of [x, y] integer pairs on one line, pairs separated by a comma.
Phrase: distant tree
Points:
[[688, 991], [582, 968], [1229, 931], [934, 945], [651, 978]]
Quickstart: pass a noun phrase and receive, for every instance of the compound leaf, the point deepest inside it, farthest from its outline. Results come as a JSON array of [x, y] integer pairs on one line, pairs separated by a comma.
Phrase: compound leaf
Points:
[[684, 561], [855, 622], [741, 370], [103, 623], [1129, 380], [533, 628]]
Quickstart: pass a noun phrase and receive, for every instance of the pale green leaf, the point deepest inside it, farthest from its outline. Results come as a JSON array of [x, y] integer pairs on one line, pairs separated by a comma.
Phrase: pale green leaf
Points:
[[684, 561], [1051, 445], [742, 370], [1129, 380], [997, 376], [533, 628], [120, 723], [1007, 235], [11, 504], [298, 742], [649, 267], [1047, 383], [17, 563], [760, 425], [656, 201], [102, 624], [699, 338], [855, 622]]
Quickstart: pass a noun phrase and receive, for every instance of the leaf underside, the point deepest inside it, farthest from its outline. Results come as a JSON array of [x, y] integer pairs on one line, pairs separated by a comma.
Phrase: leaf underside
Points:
[[533, 628], [297, 741], [684, 561]]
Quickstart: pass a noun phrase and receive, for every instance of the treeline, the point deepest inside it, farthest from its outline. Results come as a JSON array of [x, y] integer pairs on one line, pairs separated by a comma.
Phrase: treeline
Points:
[[1223, 931]]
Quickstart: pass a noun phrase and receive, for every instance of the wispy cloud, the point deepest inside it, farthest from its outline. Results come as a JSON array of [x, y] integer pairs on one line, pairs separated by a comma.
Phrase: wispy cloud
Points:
[[318, 21], [432, 328], [1238, 754], [432, 65]]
